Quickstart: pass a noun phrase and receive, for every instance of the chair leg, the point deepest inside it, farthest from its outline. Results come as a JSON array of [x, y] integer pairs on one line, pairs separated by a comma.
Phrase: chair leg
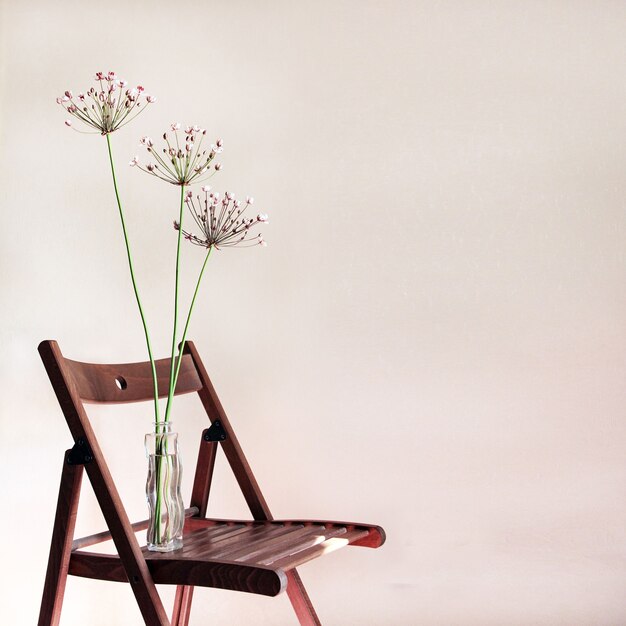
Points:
[[61, 545], [300, 600], [200, 498], [182, 605]]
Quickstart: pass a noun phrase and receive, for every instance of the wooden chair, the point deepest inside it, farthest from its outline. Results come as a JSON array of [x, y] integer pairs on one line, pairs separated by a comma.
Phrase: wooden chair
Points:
[[257, 556]]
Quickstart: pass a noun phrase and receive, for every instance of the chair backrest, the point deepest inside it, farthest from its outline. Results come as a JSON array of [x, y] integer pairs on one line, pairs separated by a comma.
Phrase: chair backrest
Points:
[[76, 383], [129, 382]]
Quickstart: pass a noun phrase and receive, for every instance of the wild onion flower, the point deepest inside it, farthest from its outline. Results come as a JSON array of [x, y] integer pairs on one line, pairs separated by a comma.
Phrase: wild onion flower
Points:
[[222, 222], [183, 160], [105, 109], [109, 106]]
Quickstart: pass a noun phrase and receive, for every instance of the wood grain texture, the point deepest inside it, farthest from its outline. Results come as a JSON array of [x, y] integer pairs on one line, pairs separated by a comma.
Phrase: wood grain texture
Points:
[[236, 554], [182, 605], [129, 382], [170, 571]]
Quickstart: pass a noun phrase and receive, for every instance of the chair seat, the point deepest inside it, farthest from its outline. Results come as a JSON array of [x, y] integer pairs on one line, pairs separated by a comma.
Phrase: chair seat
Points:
[[248, 556]]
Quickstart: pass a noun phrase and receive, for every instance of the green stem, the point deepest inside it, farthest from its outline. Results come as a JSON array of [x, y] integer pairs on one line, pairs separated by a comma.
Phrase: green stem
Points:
[[170, 393], [182, 341], [132, 276]]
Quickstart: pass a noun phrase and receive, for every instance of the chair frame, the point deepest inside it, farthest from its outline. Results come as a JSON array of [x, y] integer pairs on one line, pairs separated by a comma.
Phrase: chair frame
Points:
[[76, 383]]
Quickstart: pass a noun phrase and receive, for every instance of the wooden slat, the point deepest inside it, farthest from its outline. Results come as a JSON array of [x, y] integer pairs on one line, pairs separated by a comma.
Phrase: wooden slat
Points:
[[374, 539], [252, 535], [285, 544], [302, 543], [129, 382], [246, 550], [291, 561], [200, 543], [91, 540]]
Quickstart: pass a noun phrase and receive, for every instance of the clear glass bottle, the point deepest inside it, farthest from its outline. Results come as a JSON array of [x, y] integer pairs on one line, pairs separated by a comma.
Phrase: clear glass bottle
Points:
[[167, 510]]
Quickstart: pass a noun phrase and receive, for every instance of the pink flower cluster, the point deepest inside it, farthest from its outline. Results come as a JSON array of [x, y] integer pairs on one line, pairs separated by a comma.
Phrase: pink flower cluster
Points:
[[108, 106], [221, 221], [183, 159]]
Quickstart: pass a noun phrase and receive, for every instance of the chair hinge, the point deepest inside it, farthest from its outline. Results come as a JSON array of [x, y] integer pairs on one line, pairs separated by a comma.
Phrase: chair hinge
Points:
[[80, 454], [215, 433]]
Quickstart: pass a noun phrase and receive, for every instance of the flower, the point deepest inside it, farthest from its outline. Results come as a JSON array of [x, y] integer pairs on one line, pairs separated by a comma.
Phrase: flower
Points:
[[182, 160], [221, 222], [107, 107]]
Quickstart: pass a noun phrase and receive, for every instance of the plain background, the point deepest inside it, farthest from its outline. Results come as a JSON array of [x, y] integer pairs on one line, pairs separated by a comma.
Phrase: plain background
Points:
[[433, 341]]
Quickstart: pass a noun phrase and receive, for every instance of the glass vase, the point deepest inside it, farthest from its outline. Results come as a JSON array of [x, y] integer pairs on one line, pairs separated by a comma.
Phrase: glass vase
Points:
[[167, 510]]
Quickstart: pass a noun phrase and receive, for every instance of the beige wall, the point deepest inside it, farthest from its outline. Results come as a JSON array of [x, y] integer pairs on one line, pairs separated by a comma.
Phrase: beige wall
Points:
[[435, 338]]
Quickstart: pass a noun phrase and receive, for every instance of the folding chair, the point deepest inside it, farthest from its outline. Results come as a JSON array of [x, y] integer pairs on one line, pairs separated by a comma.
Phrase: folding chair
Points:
[[257, 556]]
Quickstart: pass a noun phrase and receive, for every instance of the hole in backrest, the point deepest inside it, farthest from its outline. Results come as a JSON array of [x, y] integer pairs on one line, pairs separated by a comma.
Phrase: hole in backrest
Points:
[[121, 383]]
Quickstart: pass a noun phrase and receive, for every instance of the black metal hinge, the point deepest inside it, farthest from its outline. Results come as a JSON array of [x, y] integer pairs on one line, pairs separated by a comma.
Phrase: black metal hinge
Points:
[[80, 454], [215, 433]]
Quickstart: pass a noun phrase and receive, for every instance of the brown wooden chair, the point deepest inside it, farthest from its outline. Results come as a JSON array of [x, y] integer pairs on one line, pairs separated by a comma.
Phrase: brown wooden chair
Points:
[[258, 556]]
